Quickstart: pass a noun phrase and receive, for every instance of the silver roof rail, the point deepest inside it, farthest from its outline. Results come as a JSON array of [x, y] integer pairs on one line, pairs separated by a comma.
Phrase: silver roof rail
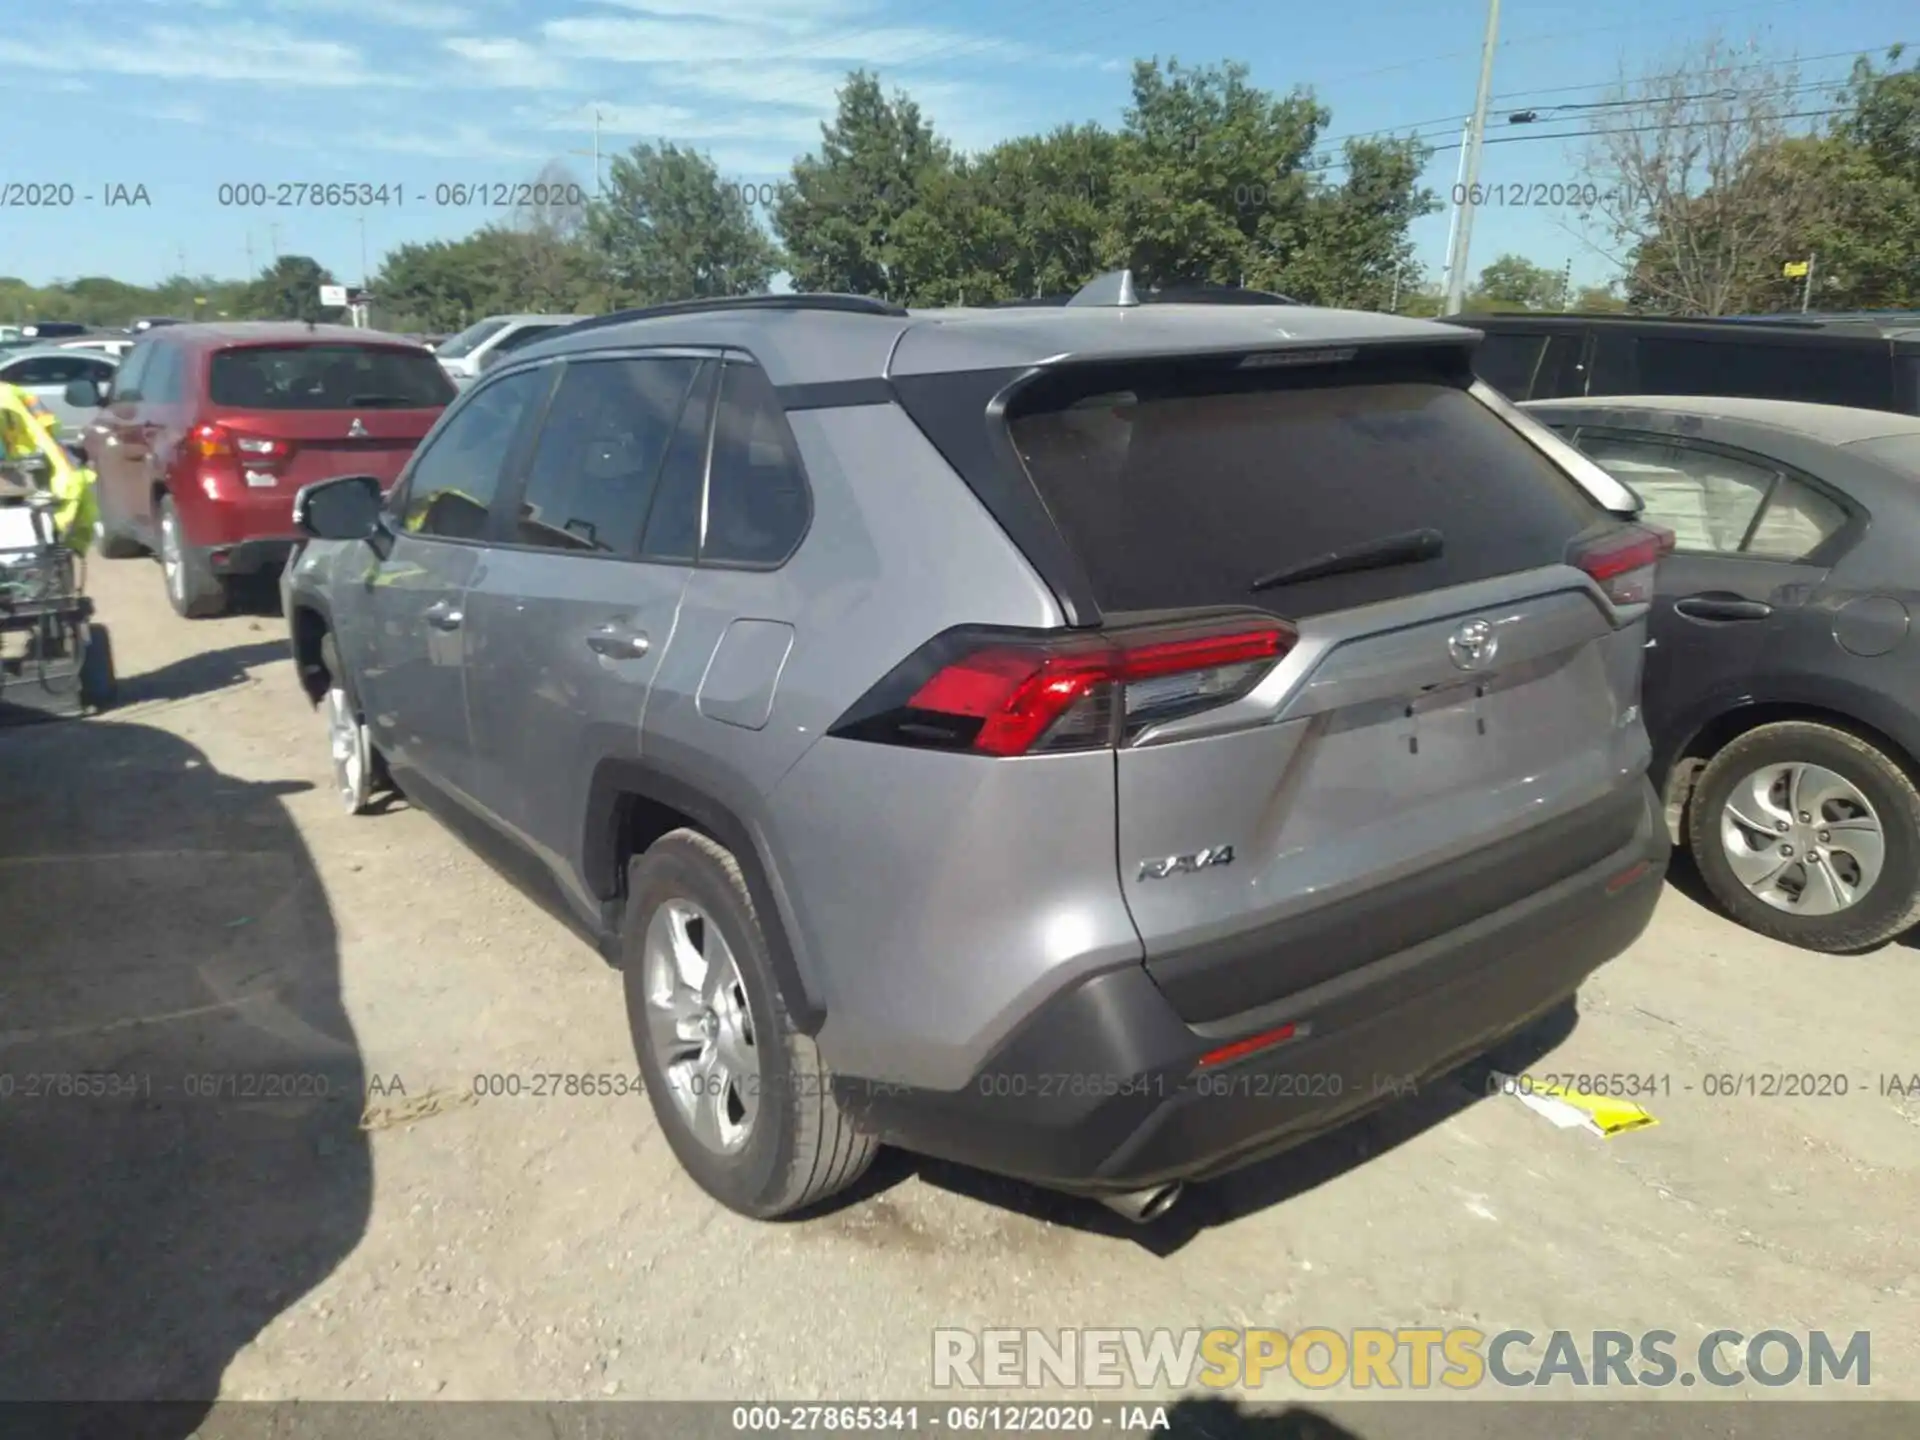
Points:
[[1113, 288]]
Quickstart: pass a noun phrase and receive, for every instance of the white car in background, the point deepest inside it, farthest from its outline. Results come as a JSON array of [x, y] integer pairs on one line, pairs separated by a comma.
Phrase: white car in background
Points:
[[44, 372], [99, 344], [466, 355]]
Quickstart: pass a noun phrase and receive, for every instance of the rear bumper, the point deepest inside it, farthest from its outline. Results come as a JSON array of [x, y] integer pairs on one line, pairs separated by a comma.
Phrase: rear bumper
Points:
[[1097, 1091]]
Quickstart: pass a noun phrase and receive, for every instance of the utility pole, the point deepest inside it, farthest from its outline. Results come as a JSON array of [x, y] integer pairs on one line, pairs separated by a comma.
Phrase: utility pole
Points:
[[1457, 276], [1458, 198], [1806, 291], [1393, 305], [180, 259], [273, 240], [599, 186], [250, 270]]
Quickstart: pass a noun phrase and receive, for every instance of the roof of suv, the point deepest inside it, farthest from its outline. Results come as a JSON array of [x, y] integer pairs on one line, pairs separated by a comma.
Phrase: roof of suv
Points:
[[801, 344], [278, 332]]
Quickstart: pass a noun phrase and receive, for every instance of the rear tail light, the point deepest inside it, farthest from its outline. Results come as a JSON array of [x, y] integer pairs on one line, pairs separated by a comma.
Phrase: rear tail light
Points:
[[1019, 693], [1623, 559], [214, 441]]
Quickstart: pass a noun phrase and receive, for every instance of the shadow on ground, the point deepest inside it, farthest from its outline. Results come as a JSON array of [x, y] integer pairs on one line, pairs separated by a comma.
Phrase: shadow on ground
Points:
[[201, 673], [180, 1089], [1257, 1187]]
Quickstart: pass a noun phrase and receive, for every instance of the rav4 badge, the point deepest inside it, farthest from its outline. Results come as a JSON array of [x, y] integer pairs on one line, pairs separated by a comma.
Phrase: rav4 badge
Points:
[[1186, 864]]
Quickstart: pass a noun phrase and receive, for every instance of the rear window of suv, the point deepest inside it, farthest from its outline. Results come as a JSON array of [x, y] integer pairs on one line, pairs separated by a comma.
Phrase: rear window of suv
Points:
[[327, 377], [1181, 490]]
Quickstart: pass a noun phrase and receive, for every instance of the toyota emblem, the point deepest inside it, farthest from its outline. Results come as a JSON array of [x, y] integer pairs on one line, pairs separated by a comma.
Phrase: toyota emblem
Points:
[[1473, 645]]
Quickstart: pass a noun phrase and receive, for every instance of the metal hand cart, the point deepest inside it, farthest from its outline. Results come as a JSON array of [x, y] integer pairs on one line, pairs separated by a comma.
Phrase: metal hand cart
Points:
[[55, 661]]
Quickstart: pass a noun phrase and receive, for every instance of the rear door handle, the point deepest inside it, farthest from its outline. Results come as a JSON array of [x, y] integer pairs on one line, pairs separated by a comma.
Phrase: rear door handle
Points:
[[442, 616], [618, 643], [1721, 607]]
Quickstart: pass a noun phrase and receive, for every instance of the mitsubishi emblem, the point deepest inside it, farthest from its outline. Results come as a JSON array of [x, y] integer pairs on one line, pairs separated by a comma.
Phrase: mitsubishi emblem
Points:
[[1473, 645], [356, 431]]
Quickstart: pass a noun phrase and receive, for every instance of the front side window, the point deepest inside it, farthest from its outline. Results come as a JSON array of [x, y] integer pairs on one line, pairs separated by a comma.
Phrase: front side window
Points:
[[46, 370], [454, 479]]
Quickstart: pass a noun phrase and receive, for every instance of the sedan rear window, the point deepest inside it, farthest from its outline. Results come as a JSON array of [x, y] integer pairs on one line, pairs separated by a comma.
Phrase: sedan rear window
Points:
[[327, 377], [1181, 492]]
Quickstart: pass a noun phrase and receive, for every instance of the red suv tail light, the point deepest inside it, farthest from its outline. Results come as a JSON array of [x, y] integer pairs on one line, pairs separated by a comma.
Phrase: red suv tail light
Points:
[[258, 452], [1019, 693], [1623, 559]]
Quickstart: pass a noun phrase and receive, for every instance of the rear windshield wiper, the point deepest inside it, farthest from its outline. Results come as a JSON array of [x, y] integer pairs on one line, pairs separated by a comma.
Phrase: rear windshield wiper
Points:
[[393, 400], [1409, 547]]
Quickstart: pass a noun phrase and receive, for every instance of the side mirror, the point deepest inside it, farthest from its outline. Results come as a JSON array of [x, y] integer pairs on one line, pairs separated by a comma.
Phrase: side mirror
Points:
[[344, 508], [85, 394]]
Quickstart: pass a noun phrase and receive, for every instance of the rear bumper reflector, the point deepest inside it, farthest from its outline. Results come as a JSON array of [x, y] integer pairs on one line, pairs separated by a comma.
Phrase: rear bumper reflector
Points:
[[1253, 1045], [1629, 876]]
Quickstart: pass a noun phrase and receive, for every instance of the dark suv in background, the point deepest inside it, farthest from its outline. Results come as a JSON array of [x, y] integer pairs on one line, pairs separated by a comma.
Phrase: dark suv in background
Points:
[[1870, 363], [207, 431]]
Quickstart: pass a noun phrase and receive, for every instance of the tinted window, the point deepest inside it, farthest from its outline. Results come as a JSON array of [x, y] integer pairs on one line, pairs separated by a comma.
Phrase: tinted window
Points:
[[592, 477], [454, 478], [757, 502], [1612, 362], [1560, 372], [327, 377], [1718, 504], [1183, 492], [470, 339], [1830, 374], [127, 383], [162, 385], [673, 525], [1506, 361]]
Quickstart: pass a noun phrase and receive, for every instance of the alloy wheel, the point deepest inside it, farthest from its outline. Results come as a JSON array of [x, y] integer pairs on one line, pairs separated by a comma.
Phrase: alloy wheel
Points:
[[347, 744]]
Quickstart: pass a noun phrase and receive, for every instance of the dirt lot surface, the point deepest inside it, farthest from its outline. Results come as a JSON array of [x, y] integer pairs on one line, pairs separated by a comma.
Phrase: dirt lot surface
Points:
[[183, 904]]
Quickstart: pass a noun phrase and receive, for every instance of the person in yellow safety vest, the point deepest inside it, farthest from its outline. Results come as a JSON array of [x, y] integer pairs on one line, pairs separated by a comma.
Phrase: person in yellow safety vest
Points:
[[28, 428]]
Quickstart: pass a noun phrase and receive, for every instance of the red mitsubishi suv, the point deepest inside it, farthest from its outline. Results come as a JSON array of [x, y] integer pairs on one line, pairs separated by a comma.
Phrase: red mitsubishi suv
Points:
[[207, 431]]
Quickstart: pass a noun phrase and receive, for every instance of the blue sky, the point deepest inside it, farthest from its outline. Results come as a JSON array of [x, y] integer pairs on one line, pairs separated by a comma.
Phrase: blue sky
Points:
[[182, 96]]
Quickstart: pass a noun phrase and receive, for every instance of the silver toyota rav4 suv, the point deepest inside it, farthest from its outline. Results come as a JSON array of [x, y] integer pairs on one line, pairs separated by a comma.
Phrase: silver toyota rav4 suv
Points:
[[1096, 743]]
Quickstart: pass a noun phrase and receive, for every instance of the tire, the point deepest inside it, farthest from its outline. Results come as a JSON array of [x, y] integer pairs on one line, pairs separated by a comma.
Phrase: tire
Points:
[[194, 591], [97, 682], [359, 773], [1878, 905], [799, 1147], [110, 543]]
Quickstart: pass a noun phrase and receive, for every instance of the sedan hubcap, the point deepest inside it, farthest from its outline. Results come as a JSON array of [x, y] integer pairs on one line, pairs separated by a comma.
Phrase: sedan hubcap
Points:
[[700, 1026], [1803, 838]]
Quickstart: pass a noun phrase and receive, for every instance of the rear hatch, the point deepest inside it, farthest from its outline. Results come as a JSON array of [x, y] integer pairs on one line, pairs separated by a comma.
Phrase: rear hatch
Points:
[[285, 415], [1373, 662]]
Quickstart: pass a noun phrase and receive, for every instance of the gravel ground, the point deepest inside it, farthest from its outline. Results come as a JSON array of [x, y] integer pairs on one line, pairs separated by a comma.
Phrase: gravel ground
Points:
[[182, 902]]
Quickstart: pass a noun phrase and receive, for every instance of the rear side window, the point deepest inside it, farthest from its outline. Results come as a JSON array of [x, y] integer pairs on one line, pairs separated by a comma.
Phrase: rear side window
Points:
[[166, 374], [602, 445], [758, 506], [1506, 361], [525, 335], [1182, 493], [1826, 374], [327, 377], [132, 374]]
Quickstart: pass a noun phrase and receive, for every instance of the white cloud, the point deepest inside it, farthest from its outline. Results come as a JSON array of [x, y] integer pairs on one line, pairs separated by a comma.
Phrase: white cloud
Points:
[[505, 64], [401, 14], [242, 52]]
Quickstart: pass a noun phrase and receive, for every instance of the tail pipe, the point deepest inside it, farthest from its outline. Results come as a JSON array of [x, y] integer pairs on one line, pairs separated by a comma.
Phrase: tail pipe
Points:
[[1143, 1207]]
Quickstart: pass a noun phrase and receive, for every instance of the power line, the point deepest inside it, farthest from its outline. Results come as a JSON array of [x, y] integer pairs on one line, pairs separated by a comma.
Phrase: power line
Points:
[[1632, 129]]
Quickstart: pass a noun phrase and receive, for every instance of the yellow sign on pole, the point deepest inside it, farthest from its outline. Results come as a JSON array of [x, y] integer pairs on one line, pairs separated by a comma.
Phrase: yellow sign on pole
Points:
[[1794, 269]]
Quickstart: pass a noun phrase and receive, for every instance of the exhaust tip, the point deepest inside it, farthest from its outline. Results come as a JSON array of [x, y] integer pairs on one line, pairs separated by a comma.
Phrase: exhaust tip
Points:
[[1143, 1207]]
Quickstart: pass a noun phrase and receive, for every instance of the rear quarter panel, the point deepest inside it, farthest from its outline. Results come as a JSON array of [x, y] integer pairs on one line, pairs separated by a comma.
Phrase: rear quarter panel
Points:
[[922, 892]]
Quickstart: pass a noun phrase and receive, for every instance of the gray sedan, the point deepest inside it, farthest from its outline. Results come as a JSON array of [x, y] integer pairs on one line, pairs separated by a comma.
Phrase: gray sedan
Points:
[[45, 373]]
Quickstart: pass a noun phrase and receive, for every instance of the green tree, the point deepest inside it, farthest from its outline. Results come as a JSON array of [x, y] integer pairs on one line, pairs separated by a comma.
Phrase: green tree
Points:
[[839, 216], [289, 289], [667, 229], [1516, 280]]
